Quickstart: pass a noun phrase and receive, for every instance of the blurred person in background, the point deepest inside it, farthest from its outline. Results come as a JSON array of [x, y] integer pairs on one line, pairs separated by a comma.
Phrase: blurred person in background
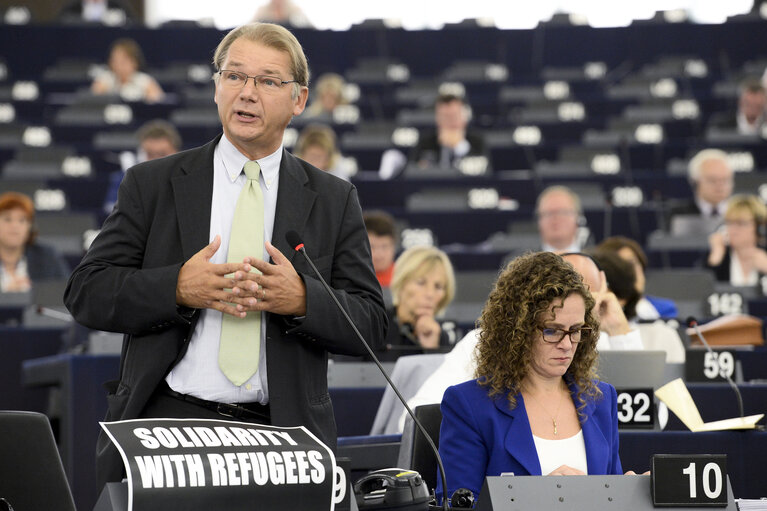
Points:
[[125, 76], [23, 260], [328, 96], [108, 12], [452, 141], [318, 146], [621, 280], [711, 178], [282, 12], [382, 233], [750, 115], [751, 108], [648, 307], [559, 215], [157, 139], [735, 250], [422, 287]]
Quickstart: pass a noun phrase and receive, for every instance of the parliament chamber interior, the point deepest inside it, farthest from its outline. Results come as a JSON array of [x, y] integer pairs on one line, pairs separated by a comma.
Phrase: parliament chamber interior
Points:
[[615, 114]]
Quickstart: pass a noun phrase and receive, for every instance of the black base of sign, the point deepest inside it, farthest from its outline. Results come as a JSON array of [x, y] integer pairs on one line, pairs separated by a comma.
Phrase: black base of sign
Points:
[[574, 493], [114, 497]]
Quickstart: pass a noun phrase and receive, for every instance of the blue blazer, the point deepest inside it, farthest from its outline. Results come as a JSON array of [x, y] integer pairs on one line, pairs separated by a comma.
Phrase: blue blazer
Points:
[[482, 436]]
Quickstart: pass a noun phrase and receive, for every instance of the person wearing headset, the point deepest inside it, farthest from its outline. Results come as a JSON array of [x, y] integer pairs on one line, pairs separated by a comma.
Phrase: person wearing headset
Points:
[[734, 253], [536, 406], [559, 216], [711, 178]]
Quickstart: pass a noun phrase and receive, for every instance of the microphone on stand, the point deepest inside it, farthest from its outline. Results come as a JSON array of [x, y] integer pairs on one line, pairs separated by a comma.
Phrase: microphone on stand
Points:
[[692, 322], [294, 240], [53, 313]]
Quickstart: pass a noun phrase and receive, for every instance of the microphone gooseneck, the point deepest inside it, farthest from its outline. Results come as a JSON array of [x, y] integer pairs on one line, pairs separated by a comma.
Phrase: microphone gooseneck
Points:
[[295, 242], [691, 321]]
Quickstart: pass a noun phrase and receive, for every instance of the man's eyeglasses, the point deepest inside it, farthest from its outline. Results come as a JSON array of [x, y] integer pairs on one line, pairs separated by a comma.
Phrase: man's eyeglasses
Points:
[[264, 83], [555, 335]]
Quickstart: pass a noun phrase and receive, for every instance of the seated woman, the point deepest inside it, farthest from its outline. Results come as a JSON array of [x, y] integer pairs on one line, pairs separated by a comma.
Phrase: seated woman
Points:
[[536, 406], [422, 286], [23, 260], [648, 307], [328, 95], [735, 253], [318, 145], [124, 76]]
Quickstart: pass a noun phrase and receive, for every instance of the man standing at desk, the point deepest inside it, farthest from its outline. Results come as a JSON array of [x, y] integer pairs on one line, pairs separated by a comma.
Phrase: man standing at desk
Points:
[[222, 319]]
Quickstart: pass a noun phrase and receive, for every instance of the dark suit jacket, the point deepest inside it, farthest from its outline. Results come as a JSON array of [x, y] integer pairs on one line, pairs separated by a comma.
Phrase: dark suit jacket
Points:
[[722, 270], [482, 436], [428, 150], [127, 283], [45, 263]]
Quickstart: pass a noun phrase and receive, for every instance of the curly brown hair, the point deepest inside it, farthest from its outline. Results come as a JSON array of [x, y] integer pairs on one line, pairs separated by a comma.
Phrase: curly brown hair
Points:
[[519, 303]]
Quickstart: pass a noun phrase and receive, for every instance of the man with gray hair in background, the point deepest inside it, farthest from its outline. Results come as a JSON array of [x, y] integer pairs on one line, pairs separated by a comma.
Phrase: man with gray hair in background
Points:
[[559, 214], [711, 178]]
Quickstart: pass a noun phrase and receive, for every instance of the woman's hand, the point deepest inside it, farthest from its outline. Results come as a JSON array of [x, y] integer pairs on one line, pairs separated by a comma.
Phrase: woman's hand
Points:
[[427, 331], [632, 473], [18, 284], [564, 470], [717, 244]]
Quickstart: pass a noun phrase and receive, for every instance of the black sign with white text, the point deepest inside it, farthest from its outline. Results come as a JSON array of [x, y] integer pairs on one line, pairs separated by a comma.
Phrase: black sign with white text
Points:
[[684, 480], [704, 366], [636, 409], [198, 464]]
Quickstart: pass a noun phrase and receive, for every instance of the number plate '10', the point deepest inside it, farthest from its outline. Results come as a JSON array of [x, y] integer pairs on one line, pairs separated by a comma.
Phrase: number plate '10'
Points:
[[687, 480]]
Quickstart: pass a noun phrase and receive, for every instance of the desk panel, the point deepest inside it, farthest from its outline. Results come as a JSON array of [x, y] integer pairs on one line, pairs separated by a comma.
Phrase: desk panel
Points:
[[16, 346], [745, 450], [746, 453], [83, 405]]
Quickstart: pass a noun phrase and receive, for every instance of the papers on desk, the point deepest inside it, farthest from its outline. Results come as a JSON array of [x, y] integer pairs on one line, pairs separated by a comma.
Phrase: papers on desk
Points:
[[752, 504], [676, 396]]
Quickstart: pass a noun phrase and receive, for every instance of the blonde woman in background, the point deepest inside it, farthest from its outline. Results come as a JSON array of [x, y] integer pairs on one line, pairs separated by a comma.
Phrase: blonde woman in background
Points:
[[422, 287], [735, 253], [328, 96]]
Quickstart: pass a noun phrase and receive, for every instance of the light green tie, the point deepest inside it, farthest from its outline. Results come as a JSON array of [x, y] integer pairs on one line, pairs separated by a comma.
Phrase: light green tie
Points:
[[241, 337]]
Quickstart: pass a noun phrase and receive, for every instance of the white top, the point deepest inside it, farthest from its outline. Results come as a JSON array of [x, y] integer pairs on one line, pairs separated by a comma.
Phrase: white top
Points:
[[646, 310], [133, 90], [552, 454], [6, 276], [628, 341], [198, 373], [736, 273], [572, 248]]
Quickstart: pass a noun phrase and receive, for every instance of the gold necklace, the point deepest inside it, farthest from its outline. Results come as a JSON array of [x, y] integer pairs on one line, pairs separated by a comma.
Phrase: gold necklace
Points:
[[552, 417]]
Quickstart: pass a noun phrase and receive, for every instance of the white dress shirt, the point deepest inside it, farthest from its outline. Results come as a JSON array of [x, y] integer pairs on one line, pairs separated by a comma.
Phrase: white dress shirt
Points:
[[198, 374]]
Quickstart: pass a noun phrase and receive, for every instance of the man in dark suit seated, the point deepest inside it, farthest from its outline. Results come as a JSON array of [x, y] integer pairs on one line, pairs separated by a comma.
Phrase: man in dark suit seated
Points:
[[222, 318], [749, 119], [452, 144], [711, 178]]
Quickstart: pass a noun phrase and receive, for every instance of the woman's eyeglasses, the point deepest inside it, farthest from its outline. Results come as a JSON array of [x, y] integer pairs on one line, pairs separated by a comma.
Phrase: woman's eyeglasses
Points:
[[555, 335]]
